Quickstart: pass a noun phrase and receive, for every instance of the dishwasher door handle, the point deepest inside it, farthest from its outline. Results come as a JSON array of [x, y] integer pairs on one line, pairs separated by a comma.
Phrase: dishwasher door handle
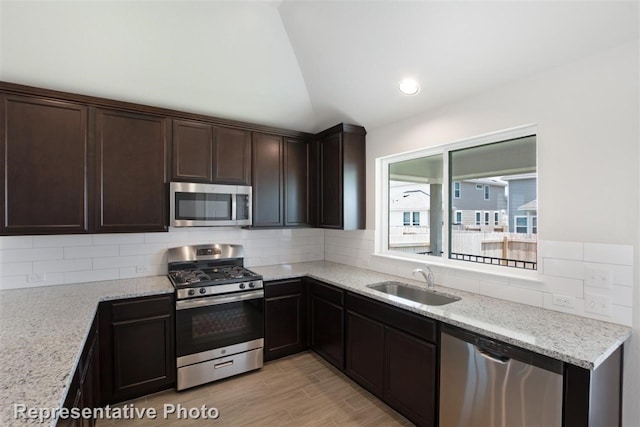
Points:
[[498, 358]]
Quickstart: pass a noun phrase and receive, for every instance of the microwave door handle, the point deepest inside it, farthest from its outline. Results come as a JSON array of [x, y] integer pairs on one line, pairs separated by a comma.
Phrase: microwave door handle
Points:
[[234, 207], [225, 299]]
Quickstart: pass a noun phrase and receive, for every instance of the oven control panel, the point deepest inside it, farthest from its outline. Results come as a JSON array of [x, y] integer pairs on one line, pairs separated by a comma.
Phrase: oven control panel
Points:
[[196, 292]]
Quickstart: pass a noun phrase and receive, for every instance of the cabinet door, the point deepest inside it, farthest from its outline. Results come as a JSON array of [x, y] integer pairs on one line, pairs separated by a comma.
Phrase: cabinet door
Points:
[[44, 154], [285, 318], [331, 181], [267, 181], [365, 352], [192, 151], [297, 183], [327, 326], [138, 346], [131, 171], [410, 376], [232, 156]]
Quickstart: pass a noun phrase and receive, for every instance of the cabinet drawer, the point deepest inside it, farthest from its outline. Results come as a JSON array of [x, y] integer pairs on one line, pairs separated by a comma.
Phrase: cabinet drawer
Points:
[[403, 320], [141, 308], [283, 287], [327, 292]]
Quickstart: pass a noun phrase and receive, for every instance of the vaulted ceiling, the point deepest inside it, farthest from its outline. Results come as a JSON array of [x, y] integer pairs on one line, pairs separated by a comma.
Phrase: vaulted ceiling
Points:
[[303, 65]]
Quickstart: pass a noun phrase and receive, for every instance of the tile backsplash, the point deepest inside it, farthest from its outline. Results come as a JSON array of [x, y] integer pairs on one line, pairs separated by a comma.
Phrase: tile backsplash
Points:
[[568, 272], [29, 261]]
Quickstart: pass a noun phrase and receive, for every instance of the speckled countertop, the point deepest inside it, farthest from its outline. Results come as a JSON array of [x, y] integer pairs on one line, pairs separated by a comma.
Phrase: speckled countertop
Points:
[[577, 340], [42, 333], [43, 330]]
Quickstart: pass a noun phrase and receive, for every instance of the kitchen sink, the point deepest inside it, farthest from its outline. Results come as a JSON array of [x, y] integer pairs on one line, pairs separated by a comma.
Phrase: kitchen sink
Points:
[[411, 293]]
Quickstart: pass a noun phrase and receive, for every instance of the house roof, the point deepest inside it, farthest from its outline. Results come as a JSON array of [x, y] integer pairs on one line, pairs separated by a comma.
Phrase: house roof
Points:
[[529, 206]]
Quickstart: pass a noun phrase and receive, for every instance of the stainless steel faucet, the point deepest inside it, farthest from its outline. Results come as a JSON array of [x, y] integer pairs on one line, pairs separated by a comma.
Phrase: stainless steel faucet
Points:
[[427, 276]]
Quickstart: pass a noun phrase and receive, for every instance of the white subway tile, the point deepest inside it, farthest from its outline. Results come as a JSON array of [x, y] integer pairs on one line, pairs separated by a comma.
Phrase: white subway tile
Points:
[[36, 254], [577, 309], [512, 293], [118, 262], [62, 265], [561, 250], [564, 286], [620, 295], [19, 282], [90, 251], [564, 268], [62, 241], [117, 239], [460, 283], [16, 242], [608, 254], [143, 249], [15, 268], [91, 276], [621, 274]]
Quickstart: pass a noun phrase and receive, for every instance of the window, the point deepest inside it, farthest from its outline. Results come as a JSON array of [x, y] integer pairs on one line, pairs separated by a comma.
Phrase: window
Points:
[[415, 199], [424, 188]]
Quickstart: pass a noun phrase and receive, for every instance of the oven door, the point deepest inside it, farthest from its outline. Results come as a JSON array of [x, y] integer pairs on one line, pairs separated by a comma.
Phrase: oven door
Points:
[[210, 323]]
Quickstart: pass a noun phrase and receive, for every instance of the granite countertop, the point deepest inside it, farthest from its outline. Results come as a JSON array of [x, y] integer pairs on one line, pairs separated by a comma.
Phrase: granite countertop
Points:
[[42, 333], [577, 340], [43, 330]]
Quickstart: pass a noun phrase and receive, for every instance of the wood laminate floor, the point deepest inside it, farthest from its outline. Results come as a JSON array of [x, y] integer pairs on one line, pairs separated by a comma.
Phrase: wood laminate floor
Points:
[[299, 390]]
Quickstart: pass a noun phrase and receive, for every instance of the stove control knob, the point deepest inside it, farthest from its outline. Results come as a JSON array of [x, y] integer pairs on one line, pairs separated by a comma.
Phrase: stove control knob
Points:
[[203, 290], [252, 285], [191, 292], [241, 285]]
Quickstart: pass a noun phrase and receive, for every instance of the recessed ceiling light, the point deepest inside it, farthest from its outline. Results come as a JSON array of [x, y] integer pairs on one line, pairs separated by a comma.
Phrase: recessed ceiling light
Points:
[[409, 87]]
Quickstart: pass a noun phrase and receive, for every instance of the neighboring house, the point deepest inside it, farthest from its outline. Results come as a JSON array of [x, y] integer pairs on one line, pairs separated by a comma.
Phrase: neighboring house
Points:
[[409, 204], [479, 204], [523, 204]]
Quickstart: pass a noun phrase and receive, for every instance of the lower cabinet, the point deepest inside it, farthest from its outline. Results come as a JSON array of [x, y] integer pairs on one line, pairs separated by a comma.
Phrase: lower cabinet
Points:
[[327, 322], [285, 310], [138, 347], [393, 354], [85, 384]]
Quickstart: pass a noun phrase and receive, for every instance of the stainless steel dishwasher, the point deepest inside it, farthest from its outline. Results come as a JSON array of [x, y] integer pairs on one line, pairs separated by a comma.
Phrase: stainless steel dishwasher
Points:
[[486, 383]]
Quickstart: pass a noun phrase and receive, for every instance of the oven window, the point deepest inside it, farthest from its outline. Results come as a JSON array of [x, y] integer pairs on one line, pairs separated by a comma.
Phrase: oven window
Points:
[[207, 328], [203, 206]]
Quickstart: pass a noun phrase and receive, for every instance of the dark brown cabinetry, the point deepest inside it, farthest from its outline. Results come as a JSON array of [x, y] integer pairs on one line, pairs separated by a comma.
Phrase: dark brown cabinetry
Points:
[[85, 384], [285, 309], [232, 156], [206, 153], [45, 157], [130, 187], [342, 172], [298, 183], [137, 346], [267, 181], [192, 151], [392, 353], [327, 322]]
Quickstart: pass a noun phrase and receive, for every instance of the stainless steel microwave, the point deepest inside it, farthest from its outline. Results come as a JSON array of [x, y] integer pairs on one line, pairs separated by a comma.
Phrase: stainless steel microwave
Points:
[[206, 205]]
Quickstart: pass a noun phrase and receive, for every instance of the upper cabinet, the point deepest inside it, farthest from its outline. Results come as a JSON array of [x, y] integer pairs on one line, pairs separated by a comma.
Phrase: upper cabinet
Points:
[[282, 189], [131, 151], [45, 155], [342, 186], [203, 152], [232, 156], [192, 151]]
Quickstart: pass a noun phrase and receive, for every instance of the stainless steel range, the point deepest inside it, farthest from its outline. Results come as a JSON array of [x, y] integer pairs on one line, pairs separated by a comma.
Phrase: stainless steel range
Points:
[[219, 313]]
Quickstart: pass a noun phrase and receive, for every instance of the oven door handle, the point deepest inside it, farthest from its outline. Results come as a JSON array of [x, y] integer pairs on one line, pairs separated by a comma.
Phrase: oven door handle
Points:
[[217, 300]]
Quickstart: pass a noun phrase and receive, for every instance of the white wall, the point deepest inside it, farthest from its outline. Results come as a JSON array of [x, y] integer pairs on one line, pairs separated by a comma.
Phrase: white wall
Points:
[[587, 115]]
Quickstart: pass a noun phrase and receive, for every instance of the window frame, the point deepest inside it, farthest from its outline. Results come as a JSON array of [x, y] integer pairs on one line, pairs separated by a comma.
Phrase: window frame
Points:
[[457, 190], [487, 192], [381, 232]]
